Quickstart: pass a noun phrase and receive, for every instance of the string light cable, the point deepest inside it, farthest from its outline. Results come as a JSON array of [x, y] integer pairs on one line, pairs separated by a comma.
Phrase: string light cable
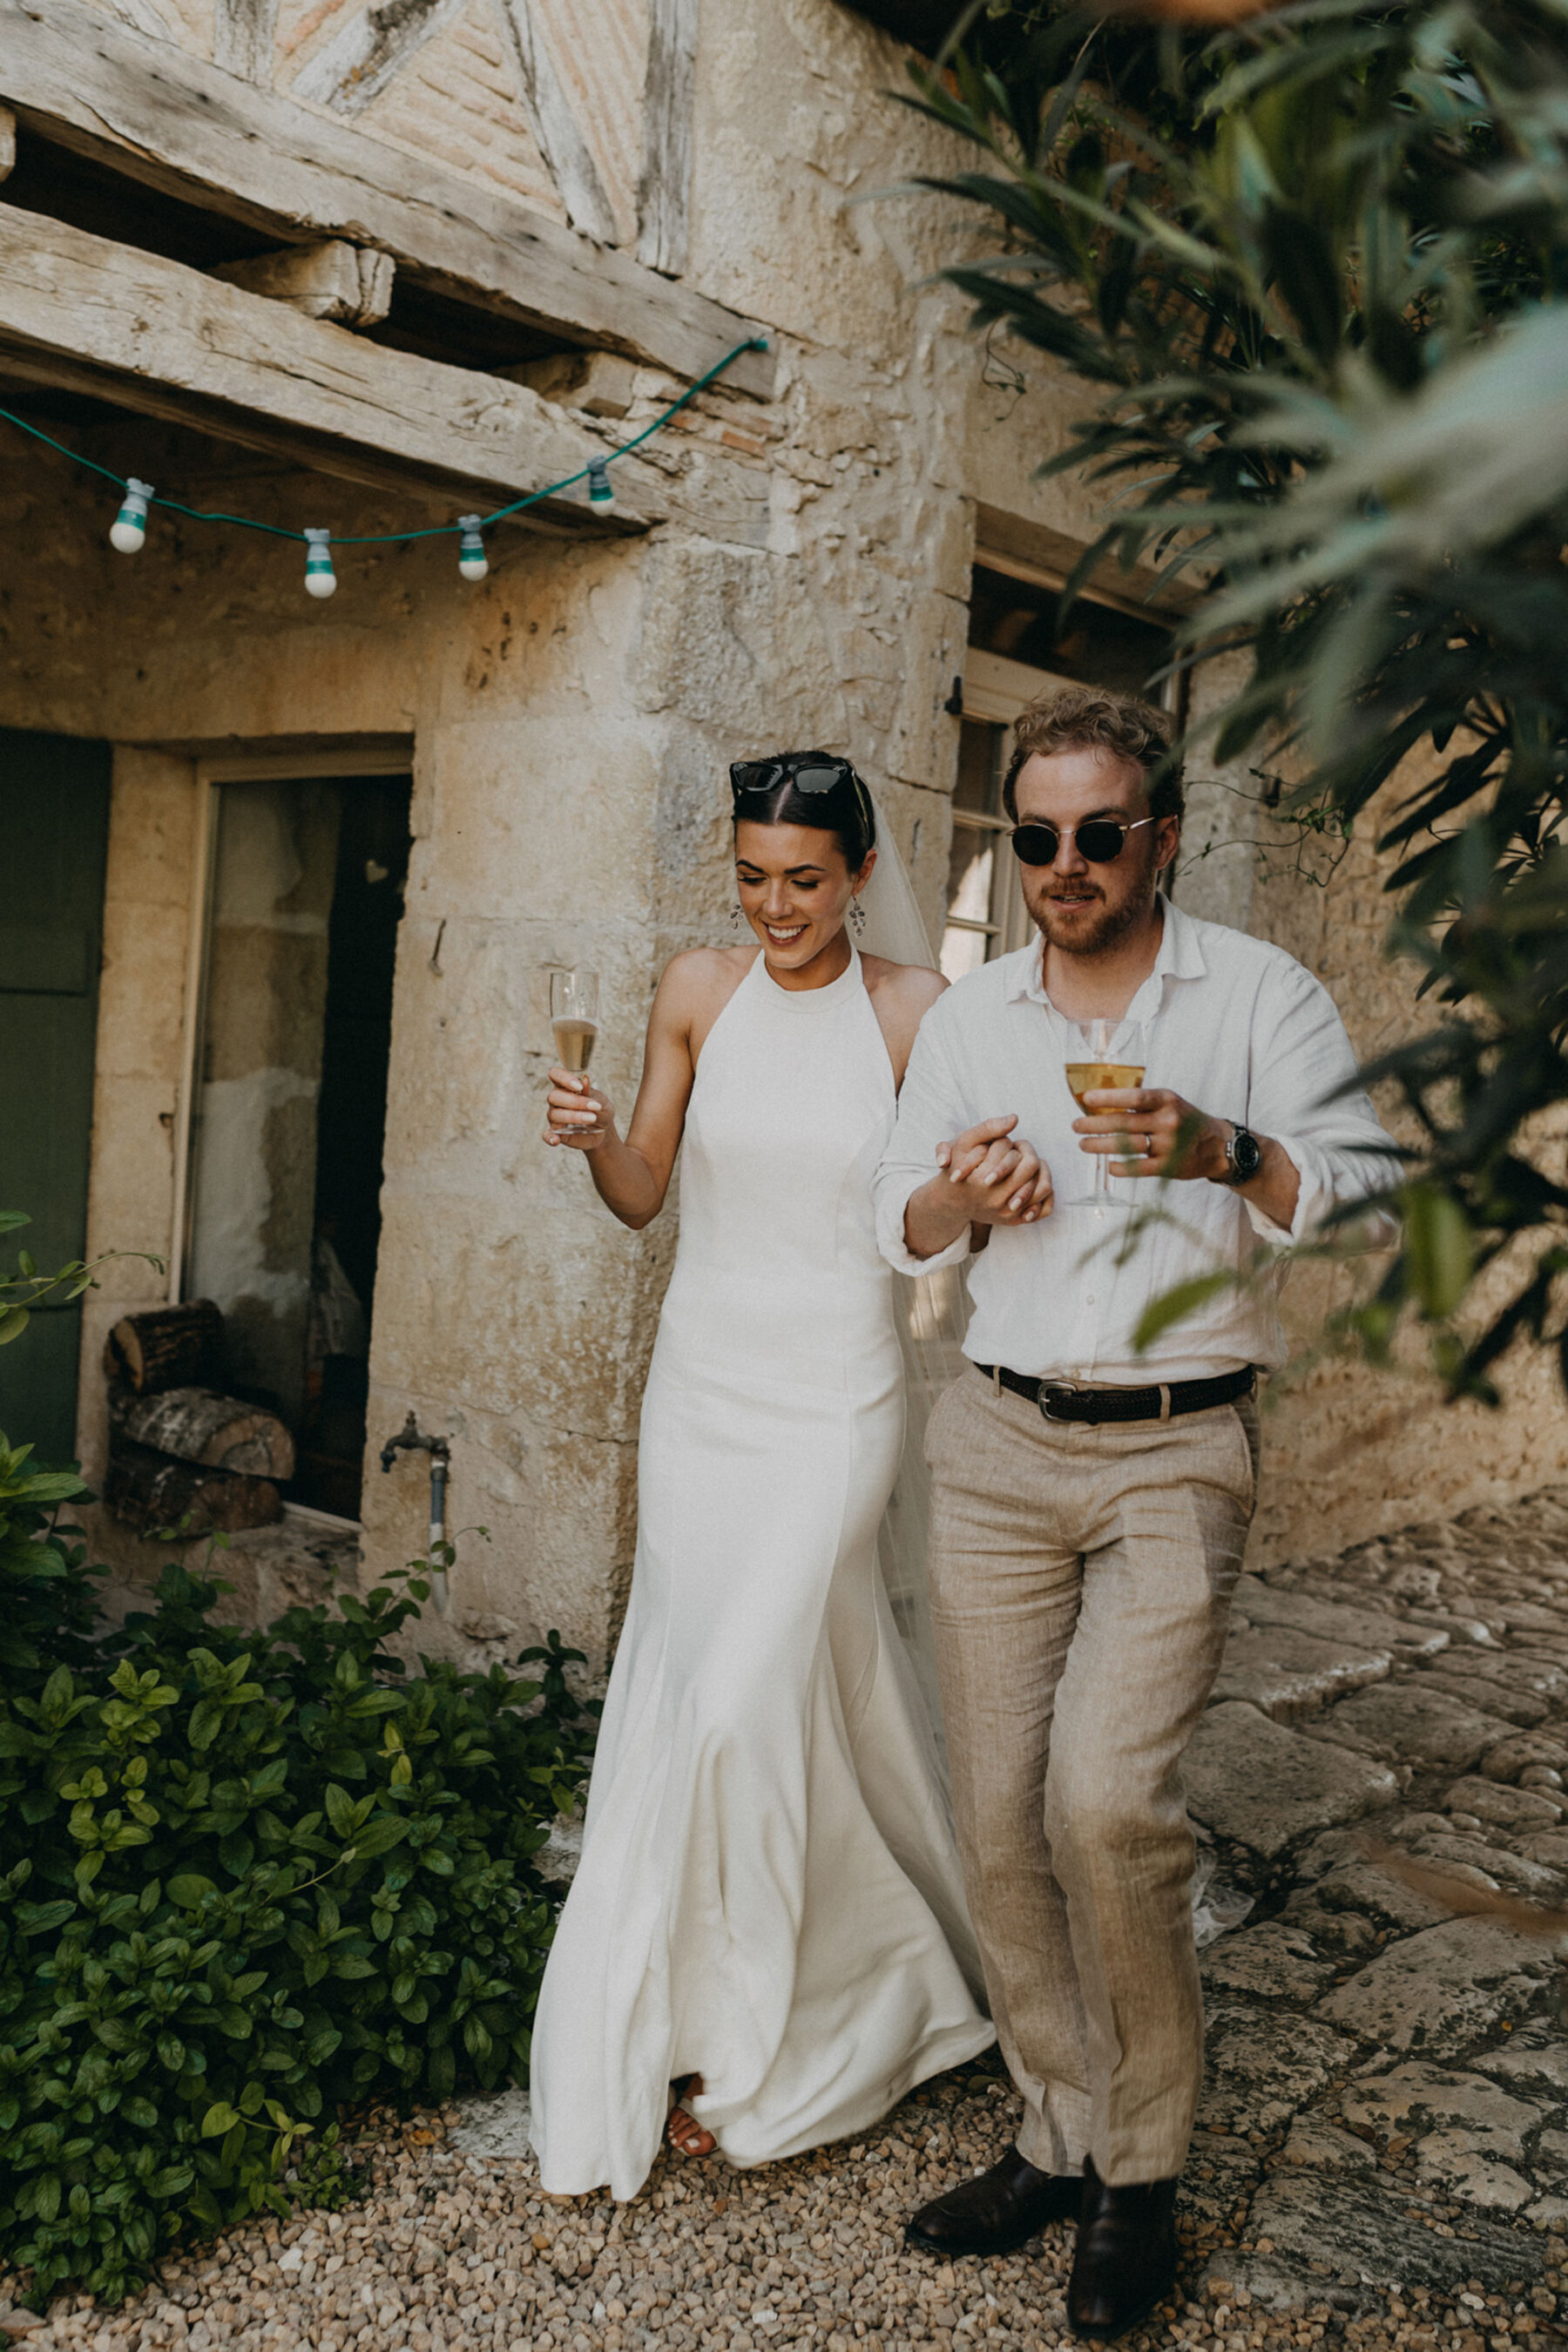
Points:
[[128, 532]]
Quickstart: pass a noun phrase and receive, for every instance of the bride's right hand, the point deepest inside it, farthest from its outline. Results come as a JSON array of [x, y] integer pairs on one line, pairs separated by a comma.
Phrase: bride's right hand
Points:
[[576, 1113]]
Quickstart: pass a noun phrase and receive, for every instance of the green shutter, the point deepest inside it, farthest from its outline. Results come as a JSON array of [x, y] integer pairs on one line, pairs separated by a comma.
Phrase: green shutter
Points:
[[54, 834]]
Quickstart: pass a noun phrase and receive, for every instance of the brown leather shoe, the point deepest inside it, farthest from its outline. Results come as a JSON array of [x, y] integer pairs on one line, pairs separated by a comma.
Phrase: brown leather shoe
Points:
[[1126, 2257], [991, 2215]]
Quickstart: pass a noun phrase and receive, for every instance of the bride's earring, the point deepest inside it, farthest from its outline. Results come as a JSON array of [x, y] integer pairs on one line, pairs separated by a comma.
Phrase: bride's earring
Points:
[[735, 917], [857, 915]]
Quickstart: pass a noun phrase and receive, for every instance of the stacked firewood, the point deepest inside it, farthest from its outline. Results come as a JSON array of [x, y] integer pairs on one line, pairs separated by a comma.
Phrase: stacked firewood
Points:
[[182, 1453]]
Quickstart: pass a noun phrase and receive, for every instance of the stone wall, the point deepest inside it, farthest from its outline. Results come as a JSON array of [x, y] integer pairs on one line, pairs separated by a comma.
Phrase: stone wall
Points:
[[567, 725]]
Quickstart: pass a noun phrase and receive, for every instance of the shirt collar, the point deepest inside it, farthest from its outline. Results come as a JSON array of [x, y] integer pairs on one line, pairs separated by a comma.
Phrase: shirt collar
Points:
[[1180, 956]]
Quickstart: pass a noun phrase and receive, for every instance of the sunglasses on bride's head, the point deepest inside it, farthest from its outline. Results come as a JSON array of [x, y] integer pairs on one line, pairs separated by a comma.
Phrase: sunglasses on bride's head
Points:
[[808, 772], [1100, 841]]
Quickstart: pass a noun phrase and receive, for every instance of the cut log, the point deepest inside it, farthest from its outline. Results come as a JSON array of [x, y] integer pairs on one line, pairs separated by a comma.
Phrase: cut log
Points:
[[7, 143], [151, 1491], [200, 1425], [166, 1347]]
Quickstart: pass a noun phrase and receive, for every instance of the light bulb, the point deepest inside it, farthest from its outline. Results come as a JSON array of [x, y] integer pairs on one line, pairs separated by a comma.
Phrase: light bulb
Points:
[[601, 497], [129, 530], [321, 579], [472, 561]]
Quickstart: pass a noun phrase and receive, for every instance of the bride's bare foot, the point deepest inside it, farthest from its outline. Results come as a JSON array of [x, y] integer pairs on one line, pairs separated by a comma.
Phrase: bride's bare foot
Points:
[[681, 2130]]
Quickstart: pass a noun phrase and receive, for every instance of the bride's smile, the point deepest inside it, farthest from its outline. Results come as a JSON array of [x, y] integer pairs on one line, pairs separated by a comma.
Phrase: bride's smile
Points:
[[795, 892]]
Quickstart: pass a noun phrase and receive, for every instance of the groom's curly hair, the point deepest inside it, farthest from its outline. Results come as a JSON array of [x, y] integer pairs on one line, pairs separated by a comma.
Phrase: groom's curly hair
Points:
[[1094, 719]]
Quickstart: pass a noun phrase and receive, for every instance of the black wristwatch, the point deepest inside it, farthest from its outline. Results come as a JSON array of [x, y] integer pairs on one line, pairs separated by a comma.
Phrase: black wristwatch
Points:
[[1243, 1156]]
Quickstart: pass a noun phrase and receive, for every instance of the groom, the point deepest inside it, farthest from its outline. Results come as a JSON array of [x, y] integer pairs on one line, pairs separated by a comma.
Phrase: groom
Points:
[[1090, 1501]]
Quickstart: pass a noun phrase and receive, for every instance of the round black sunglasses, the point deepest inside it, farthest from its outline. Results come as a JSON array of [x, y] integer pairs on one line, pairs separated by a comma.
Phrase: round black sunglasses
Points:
[[1101, 840]]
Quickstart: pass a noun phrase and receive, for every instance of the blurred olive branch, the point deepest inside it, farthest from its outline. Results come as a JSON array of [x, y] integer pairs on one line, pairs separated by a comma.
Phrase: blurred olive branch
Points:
[[1316, 264], [27, 1292]]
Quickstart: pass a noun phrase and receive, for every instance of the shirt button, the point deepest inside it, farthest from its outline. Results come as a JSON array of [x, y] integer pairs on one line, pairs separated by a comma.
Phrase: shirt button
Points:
[[1090, 1299]]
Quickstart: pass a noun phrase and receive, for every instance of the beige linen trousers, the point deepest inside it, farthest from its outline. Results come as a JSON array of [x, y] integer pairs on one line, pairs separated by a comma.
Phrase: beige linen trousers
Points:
[[1081, 1585]]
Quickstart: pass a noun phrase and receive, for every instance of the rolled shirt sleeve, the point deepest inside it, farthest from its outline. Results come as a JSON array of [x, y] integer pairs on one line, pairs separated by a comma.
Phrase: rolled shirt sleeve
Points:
[[931, 1111], [1304, 1096]]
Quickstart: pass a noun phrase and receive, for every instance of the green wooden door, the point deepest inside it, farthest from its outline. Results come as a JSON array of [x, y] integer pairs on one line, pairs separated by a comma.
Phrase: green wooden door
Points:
[[54, 832]]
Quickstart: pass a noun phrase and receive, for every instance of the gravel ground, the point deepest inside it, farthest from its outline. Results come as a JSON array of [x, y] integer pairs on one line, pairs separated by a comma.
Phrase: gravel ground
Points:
[[456, 2252], [1386, 2094]]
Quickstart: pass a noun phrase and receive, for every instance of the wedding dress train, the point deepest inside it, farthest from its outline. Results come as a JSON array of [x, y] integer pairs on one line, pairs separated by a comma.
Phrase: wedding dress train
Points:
[[769, 1894]]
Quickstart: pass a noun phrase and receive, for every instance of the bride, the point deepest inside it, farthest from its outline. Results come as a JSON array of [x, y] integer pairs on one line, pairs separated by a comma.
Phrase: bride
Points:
[[765, 1945]]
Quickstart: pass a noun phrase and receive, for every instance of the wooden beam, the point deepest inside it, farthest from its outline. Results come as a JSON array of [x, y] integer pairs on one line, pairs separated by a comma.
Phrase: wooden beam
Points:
[[555, 128], [664, 191], [146, 109], [348, 283], [151, 335], [362, 58], [7, 143], [245, 35]]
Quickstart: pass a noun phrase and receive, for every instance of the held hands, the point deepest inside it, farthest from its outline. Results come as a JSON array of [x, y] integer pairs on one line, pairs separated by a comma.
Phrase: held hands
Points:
[[1150, 1131], [993, 1176], [576, 1113]]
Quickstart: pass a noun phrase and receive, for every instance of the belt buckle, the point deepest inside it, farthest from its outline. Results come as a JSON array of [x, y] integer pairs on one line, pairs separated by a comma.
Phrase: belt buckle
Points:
[[1048, 1390]]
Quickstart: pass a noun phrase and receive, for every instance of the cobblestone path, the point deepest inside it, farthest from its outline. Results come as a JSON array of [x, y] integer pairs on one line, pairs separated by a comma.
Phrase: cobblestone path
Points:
[[1382, 2150]]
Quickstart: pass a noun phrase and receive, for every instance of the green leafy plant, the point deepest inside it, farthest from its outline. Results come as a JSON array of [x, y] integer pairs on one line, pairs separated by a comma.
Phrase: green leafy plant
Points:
[[1315, 265], [245, 1878], [27, 1289]]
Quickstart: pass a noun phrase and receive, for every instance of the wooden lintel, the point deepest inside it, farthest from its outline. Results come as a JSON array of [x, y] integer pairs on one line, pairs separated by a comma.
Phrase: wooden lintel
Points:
[[154, 336], [190, 129]]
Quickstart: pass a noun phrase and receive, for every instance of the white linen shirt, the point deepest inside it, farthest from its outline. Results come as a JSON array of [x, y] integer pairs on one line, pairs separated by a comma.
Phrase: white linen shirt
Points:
[[1238, 1029]]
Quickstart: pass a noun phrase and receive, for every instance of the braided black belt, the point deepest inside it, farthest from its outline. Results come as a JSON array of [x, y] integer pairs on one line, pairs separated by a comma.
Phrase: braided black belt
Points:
[[1063, 1400]]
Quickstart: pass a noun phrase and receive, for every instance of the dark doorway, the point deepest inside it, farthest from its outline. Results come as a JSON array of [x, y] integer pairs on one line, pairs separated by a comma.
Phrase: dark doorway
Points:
[[290, 1118], [54, 824]]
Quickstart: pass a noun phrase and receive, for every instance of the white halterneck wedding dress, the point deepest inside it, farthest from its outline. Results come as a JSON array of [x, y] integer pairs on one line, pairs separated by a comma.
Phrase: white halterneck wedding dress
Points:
[[769, 1894]]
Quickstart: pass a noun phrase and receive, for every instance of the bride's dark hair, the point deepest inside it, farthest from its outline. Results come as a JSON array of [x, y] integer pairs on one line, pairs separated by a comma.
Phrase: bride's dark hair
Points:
[[844, 810]]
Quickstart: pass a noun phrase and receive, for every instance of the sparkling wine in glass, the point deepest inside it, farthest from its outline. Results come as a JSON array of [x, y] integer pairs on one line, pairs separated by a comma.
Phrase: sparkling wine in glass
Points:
[[574, 1015], [1089, 1064]]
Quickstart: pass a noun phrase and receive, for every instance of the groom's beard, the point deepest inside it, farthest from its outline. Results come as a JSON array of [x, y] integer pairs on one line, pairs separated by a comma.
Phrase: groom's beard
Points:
[[1084, 932]]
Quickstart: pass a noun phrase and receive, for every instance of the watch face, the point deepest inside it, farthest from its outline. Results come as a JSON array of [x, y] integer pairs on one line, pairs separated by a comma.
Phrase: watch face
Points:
[[1245, 1154]]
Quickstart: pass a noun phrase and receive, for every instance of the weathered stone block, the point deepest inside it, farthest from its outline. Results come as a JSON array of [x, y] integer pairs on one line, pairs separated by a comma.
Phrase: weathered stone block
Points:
[[1309, 2218], [1257, 2076], [1509, 1670], [1283, 1670], [1413, 1723], [1333, 1621], [1220, 2174], [1454, 2162], [1274, 1960], [1520, 1752], [1442, 1989], [1495, 1863], [1414, 2098], [1325, 2148], [1520, 1810], [1534, 2060], [1525, 1708], [1361, 1889], [1250, 1779]]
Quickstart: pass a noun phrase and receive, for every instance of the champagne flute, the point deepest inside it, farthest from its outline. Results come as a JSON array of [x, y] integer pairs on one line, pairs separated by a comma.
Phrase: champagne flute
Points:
[[574, 1015], [1089, 1065]]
